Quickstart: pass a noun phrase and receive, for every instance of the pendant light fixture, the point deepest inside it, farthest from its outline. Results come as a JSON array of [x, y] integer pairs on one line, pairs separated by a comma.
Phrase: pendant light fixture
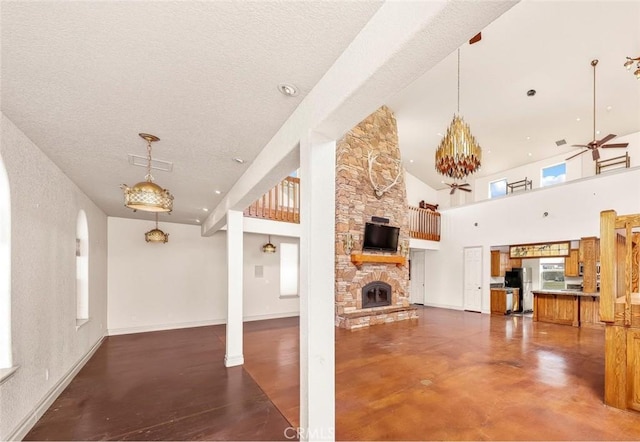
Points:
[[156, 235], [458, 154], [268, 247], [147, 195]]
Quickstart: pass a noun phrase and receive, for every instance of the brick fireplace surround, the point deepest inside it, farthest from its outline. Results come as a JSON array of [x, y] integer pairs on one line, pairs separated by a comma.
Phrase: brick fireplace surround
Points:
[[356, 203]]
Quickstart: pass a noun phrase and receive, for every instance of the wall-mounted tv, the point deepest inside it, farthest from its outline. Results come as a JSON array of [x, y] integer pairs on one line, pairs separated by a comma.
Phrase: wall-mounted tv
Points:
[[380, 237]]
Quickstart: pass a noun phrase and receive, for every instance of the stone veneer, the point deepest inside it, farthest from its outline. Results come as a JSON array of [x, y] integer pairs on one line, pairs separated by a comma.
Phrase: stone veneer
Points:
[[356, 203]]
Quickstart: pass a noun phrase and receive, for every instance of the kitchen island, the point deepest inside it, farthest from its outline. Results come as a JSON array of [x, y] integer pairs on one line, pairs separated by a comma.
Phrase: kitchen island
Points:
[[567, 307]]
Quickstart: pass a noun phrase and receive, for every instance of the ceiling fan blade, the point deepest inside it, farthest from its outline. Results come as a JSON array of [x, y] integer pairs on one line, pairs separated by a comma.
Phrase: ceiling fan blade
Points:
[[605, 139], [476, 38], [579, 153], [453, 189], [581, 145], [609, 146], [465, 189], [464, 184], [595, 154]]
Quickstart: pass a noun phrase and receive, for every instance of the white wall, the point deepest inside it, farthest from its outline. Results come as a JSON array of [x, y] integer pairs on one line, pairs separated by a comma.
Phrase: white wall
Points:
[[44, 209], [574, 212], [418, 191], [183, 283]]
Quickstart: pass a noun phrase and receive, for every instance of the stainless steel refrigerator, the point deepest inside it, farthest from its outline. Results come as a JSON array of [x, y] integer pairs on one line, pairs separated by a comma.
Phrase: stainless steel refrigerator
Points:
[[520, 277]]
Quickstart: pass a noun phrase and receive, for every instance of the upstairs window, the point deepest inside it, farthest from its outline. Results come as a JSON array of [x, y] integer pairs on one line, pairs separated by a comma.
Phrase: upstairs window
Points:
[[553, 174], [289, 269], [498, 188]]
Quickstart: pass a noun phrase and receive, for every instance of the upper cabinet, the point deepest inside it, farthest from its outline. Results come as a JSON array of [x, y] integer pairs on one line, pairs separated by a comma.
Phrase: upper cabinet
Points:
[[571, 264], [500, 263]]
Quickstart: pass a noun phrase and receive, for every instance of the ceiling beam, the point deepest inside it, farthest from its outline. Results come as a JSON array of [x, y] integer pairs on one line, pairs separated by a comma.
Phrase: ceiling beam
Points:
[[402, 41]]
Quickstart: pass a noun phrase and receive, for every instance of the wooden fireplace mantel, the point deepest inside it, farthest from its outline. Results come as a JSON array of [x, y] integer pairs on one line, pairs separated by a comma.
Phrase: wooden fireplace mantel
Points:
[[359, 259]]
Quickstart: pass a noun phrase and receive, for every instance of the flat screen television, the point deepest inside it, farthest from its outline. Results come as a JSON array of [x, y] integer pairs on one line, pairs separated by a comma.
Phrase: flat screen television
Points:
[[380, 237]]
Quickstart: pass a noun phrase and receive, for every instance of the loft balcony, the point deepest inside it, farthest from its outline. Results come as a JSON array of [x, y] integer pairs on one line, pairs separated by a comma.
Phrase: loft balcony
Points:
[[282, 203]]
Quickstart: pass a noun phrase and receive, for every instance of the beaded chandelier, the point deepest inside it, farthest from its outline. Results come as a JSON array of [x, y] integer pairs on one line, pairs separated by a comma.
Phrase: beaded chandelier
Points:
[[458, 154]]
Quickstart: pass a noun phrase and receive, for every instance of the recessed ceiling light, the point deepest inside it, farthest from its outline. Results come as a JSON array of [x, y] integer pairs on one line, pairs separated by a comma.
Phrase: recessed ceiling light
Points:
[[578, 119], [218, 192], [238, 160], [597, 132], [288, 89], [530, 154], [528, 138], [411, 161], [197, 220], [205, 209], [488, 151], [609, 108], [531, 92]]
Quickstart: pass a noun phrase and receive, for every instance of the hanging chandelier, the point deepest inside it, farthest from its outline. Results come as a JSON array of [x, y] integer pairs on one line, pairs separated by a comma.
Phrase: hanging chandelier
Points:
[[268, 247], [629, 64], [147, 195], [156, 235], [458, 154]]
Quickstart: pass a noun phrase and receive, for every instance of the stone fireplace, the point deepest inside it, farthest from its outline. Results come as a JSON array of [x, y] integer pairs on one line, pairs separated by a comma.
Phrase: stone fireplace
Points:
[[370, 292]]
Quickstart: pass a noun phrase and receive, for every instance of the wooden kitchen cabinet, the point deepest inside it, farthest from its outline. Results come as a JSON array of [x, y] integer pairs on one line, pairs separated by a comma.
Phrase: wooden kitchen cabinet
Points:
[[633, 376], [514, 263], [496, 263], [571, 264], [498, 302], [590, 312]]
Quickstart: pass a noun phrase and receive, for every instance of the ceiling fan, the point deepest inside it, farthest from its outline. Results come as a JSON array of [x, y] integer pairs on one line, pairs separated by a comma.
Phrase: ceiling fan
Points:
[[456, 186], [594, 145]]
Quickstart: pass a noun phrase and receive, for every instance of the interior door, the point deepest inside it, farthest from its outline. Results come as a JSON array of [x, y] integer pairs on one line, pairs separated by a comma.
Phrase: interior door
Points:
[[416, 289], [472, 279]]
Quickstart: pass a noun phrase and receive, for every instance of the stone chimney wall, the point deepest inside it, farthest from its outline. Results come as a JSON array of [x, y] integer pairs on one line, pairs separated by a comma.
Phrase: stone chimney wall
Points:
[[356, 203]]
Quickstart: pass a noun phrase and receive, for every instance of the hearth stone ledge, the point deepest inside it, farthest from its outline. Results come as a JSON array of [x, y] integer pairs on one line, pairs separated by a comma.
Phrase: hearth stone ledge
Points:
[[364, 318]]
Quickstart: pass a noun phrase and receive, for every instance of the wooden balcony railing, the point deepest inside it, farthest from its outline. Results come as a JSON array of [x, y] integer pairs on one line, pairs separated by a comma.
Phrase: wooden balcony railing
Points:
[[424, 224], [282, 203]]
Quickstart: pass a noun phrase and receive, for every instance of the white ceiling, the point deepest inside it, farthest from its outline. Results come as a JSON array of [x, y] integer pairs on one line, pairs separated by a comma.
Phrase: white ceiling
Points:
[[82, 79], [543, 45]]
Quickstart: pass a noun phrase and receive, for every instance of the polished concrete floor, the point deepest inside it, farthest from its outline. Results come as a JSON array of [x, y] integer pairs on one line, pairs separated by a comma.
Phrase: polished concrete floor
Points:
[[448, 375]]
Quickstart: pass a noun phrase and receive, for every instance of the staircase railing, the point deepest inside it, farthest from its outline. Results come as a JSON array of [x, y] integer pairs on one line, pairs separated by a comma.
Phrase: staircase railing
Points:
[[424, 224], [282, 203]]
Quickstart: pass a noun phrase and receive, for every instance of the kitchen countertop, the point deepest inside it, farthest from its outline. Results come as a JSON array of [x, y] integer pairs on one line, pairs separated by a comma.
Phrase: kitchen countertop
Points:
[[565, 293], [503, 288]]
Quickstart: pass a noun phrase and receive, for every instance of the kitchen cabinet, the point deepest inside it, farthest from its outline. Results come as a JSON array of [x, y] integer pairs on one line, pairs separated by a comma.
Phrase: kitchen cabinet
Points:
[[633, 376], [501, 301], [590, 312], [496, 269], [578, 309], [571, 264], [500, 263]]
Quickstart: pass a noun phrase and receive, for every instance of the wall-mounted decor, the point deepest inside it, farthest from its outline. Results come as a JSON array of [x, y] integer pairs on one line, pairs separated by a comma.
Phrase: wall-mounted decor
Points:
[[540, 250]]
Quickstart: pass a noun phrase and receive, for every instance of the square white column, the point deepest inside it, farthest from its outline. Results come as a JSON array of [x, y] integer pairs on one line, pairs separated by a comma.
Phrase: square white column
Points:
[[317, 290], [234, 354]]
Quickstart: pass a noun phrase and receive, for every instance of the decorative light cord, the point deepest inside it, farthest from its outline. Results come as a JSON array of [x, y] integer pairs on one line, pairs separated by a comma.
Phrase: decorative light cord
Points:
[[149, 177], [458, 81]]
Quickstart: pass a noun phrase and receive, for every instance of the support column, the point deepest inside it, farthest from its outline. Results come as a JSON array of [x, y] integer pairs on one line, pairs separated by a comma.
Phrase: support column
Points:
[[317, 287], [234, 355]]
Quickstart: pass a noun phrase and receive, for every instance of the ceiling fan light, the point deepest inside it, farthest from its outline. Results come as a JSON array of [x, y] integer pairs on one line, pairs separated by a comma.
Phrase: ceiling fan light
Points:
[[628, 64], [637, 73]]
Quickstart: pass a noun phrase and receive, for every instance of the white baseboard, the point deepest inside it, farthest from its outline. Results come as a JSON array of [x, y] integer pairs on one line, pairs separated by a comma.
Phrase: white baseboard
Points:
[[41, 407], [177, 325], [450, 307]]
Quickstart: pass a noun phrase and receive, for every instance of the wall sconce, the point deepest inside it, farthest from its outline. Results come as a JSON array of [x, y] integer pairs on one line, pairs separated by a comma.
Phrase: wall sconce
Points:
[[404, 248], [347, 243]]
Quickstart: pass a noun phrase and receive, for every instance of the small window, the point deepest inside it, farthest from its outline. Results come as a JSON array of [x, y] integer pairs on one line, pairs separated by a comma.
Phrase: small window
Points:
[[82, 269], [5, 270], [289, 269], [498, 188], [552, 273], [553, 174]]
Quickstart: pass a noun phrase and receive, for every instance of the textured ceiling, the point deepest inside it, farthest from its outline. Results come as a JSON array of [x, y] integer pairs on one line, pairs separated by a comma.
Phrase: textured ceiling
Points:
[[82, 79], [541, 45]]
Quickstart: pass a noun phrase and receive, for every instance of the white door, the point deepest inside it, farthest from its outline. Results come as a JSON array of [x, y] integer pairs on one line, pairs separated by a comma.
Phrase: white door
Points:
[[473, 279], [416, 289]]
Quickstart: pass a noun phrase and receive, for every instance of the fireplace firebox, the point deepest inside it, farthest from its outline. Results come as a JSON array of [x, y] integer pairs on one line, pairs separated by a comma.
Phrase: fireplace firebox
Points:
[[376, 294]]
